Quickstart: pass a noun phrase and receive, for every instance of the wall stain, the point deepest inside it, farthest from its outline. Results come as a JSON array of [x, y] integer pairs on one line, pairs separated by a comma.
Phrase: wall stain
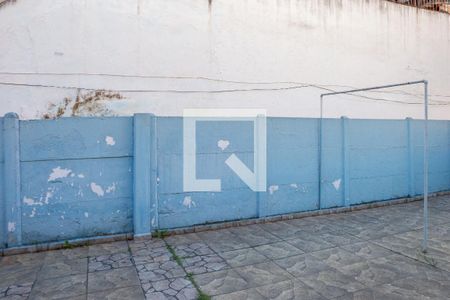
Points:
[[4, 2], [87, 104]]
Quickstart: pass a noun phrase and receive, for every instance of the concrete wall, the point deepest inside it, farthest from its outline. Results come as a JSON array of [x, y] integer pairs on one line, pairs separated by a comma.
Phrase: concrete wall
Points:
[[2, 199], [297, 48], [76, 176], [86, 177]]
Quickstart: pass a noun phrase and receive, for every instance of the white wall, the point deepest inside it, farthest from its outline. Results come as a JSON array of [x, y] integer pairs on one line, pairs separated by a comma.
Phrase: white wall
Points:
[[333, 44]]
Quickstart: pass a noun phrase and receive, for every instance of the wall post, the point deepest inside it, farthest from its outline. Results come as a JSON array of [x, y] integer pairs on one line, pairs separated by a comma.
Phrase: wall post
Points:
[[11, 181], [345, 122], [260, 165], [2, 199], [411, 171], [145, 209]]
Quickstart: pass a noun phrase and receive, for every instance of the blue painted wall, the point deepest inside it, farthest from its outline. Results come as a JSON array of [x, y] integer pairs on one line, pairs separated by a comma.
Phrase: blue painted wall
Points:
[[84, 177], [2, 199], [90, 191]]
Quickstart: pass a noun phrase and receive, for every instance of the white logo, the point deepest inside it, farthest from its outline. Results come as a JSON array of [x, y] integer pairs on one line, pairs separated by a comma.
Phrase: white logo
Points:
[[256, 180]]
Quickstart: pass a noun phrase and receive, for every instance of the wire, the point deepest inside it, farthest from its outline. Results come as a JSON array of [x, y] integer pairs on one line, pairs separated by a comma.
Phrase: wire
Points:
[[156, 91], [294, 87], [208, 79]]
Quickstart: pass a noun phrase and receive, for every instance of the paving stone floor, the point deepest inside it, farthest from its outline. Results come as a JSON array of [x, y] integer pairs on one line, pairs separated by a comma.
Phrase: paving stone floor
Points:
[[368, 254]]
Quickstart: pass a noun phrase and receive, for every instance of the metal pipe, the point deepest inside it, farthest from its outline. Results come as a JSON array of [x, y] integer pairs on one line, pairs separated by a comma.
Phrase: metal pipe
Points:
[[374, 88], [425, 172], [320, 154]]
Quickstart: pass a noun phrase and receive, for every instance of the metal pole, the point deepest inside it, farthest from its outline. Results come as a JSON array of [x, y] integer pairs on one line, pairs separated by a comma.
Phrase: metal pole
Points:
[[320, 154], [425, 172], [375, 88]]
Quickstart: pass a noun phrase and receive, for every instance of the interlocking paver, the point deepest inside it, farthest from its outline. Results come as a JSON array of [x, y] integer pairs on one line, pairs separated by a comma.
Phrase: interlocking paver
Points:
[[204, 263], [133, 292], [193, 249], [108, 262], [157, 271], [174, 288], [367, 254], [20, 291]]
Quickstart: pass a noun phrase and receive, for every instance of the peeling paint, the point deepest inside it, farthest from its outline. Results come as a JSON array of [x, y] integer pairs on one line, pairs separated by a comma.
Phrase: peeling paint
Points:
[[48, 195], [97, 189], [86, 215], [11, 226], [80, 175], [223, 144], [294, 185], [33, 213], [188, 202], [273, 189], [110, 141], [337, 184], [30, 201], [111, 188], [58, 173]]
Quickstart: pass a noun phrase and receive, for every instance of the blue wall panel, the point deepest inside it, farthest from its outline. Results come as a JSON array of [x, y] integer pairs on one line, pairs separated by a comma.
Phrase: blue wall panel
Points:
[[2, 200], [332, 184], [76, 178], [235, 201], [74, 138], [439, 156], [378, 160], [292, 156]]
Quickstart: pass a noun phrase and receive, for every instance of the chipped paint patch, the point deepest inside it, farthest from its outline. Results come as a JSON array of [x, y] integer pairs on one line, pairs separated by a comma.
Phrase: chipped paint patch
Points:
[[223, 144], [337, 184], [48, 195], [273, 189], [58, 173], [95, 188], [30, 201], [111, 188], [188, 202], [110, 141], [80, 175], [294, 185], [33, 213], [86, 215], [11, 226]]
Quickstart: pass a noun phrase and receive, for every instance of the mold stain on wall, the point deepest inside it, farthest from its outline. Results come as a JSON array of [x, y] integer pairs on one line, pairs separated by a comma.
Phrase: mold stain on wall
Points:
[[92, 103], [5, 2]]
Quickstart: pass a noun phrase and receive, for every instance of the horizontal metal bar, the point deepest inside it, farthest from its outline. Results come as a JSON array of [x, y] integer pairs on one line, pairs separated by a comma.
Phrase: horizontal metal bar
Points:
[[373, 88]]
